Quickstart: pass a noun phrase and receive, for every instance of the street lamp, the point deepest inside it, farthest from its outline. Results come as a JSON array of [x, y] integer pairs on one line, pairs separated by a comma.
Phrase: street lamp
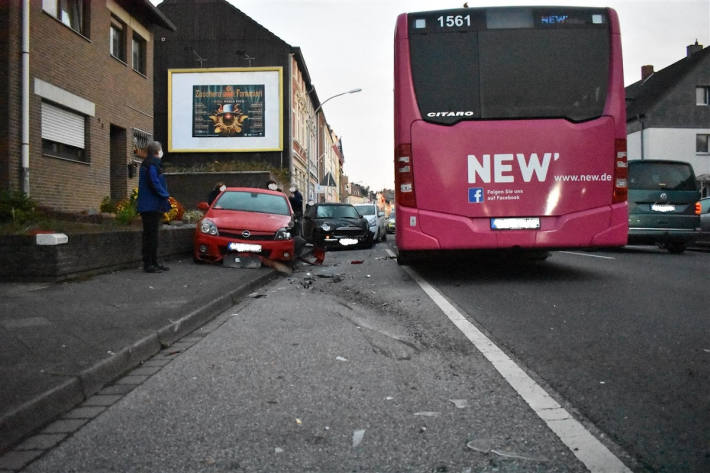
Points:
[[309, 195]]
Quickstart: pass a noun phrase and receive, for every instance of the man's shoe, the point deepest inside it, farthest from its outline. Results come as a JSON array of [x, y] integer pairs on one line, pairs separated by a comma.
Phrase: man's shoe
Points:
[[162, 268], [151, 269]]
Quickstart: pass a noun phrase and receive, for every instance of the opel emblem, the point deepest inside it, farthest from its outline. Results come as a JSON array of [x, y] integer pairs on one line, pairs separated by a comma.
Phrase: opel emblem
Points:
[[664, 196], [246, 233]]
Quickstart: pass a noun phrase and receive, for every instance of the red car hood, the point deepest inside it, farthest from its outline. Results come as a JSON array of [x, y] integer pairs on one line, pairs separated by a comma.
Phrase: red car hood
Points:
[[252, 221]]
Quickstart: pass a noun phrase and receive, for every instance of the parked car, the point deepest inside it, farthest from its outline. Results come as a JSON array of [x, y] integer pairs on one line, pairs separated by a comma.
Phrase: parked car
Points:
[[663, 204], [334, 225], [247, 221], [390, 223], [375, 220], [704, 237]]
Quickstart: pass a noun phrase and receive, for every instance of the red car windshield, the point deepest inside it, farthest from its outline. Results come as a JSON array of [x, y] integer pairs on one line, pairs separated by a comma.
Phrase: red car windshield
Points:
[[253, 202]]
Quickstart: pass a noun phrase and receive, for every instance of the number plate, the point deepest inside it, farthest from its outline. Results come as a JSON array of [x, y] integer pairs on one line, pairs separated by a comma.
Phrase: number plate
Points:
[[532, 223], [244, 247], [663, 208], [348, 241]]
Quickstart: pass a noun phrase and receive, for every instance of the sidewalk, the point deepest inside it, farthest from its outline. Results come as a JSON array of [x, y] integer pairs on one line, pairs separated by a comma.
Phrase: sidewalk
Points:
[[60, 343]]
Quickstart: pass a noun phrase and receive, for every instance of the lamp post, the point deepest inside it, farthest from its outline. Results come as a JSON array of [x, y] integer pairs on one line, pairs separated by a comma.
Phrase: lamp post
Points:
[[309, 194]]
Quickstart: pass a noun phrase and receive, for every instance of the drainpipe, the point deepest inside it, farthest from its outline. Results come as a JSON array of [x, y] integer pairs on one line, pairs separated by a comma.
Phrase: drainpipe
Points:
[[641, 118], [26, 97]]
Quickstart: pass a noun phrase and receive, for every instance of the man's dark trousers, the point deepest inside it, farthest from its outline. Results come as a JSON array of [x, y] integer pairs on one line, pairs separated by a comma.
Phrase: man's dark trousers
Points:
[[151, 225]]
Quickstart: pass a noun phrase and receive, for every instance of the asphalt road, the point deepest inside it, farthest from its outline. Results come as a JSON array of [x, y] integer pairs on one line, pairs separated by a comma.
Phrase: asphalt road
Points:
[[345, 368], [351, 367], [622, 336]]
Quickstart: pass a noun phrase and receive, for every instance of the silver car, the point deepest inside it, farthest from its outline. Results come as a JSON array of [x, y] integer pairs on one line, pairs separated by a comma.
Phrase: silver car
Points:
[[704, 237], [375, 220]]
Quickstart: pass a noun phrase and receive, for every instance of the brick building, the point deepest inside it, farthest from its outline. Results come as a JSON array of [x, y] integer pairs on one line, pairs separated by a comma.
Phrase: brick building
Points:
[[222, 40], [89, 96]]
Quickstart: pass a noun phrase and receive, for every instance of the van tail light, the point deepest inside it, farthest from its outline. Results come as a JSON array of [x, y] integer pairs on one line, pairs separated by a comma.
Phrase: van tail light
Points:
[[698, 208], [621, 173], [404, 176]]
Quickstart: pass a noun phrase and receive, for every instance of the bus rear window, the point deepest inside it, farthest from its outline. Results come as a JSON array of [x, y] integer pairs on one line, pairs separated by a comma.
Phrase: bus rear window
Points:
[[479, 72]]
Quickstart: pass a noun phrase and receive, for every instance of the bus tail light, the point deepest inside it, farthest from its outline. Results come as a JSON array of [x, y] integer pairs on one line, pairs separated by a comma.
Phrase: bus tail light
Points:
[[404, 176], [698, 208], [621, 173]]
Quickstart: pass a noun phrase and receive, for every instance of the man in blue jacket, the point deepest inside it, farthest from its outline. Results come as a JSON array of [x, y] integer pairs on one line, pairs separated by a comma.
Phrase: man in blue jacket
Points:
[[152, 203]]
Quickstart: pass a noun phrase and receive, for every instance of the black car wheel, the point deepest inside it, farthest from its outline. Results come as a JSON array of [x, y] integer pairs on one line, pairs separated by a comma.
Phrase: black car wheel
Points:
[[675, 247]]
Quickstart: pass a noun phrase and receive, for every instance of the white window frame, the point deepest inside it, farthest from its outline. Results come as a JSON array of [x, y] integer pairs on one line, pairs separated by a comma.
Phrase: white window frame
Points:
[[62, 11], [117, 37], [707, 143], [702, 95], [63, 133], [139, 43]]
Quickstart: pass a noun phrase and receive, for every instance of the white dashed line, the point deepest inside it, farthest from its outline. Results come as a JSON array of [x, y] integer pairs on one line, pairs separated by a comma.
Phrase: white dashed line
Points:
[[587, 254], [585, 446]]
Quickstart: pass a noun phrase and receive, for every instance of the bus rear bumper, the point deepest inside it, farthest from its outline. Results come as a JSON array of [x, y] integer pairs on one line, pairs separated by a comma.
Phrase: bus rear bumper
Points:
[[425, 230]]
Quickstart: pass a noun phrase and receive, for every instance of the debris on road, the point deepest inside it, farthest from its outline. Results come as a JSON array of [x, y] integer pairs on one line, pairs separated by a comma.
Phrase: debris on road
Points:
[[485, 446], [427, 414], [358, 435], [460, 403]]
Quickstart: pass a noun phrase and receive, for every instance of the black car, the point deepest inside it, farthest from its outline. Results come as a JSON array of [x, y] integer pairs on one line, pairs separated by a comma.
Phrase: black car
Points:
[[334, 225]]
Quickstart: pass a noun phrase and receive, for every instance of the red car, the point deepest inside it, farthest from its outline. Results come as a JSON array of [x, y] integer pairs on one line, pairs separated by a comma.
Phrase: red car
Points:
[[245, 221]]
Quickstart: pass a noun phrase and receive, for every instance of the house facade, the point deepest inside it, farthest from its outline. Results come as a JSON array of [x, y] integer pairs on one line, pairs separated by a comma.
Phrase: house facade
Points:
[[668, 113], [227, 45], [77, 86]]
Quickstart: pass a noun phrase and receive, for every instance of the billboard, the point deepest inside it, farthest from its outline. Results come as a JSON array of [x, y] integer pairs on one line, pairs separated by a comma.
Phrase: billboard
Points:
[[225, 110]]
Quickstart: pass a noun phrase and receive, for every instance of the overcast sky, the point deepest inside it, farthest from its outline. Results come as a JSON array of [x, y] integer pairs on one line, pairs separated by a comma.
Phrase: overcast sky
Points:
[[348, 44]]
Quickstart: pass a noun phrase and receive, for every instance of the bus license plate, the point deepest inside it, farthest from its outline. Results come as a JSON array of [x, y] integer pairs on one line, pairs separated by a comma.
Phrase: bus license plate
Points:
[[244, 247], [531, 223]]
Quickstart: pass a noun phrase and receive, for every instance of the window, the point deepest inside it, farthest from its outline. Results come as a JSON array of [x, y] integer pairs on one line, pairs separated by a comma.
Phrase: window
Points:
[[702, 95], [118, 40], [70, 12], [511, 73], [63, 133], [701, 143], [138, 46]]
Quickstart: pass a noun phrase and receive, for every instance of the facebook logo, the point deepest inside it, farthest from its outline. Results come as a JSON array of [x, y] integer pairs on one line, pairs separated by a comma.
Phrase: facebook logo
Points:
[[475, 195]]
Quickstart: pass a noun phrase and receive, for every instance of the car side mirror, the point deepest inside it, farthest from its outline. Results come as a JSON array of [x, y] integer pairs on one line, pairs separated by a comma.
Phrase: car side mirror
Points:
[[204, 206]]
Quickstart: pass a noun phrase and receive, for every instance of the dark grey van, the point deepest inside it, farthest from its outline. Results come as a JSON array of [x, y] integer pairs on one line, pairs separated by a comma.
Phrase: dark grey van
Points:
[[663, 210]]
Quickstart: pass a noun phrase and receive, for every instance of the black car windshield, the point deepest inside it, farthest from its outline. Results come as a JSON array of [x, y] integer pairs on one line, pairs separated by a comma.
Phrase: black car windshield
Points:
[[253, 202], [365, 209], [649, 175], [337, 211]]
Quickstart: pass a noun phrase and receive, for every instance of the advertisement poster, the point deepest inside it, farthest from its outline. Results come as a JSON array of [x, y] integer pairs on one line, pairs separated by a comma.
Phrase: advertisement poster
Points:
[[225, 110], [228, 110]]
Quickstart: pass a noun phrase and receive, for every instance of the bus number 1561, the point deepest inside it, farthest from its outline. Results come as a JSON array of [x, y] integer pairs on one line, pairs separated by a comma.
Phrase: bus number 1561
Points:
[[454, 20]]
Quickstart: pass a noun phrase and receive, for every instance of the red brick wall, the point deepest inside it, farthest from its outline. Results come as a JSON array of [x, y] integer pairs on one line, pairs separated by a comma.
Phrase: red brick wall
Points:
[[84, 67]]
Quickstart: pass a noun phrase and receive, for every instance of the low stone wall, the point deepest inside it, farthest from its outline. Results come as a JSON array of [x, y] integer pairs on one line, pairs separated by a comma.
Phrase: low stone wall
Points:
[[21, 259]]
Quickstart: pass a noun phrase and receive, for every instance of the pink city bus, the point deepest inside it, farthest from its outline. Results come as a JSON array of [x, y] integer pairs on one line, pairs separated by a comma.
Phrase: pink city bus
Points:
[[510, 130]]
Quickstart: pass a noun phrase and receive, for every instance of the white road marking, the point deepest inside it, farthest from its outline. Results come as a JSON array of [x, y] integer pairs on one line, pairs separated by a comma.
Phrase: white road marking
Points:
[[587, 448], [587, 254]]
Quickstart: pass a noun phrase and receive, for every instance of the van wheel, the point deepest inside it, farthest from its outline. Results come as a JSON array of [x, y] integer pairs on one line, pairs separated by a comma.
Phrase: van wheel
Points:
[[675, 247]]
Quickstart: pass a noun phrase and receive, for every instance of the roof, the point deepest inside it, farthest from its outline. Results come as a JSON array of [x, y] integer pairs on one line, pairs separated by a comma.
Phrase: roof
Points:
[[641, 96], [150, 12]]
